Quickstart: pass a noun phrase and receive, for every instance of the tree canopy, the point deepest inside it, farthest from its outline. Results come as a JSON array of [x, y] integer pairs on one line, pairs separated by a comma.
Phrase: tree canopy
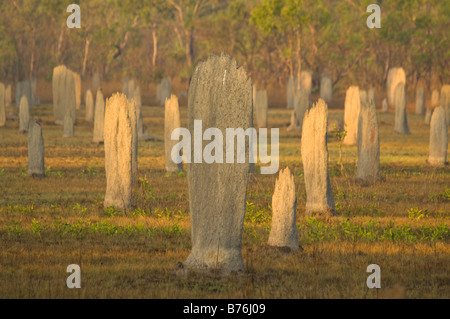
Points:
[[272, 39]]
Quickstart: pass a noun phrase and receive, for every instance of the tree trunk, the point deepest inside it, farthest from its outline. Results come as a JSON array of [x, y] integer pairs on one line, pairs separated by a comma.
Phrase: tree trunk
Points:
[[387, 65], [428, 79], [291, 66], [189, 47], [299, 59], [33, 52], [86, 51], [155, 45], [20, 75], [180, 40], [60, 42], [313, 44]]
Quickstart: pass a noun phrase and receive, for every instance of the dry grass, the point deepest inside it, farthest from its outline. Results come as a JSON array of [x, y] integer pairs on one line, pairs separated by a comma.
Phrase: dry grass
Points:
[[47, 224]]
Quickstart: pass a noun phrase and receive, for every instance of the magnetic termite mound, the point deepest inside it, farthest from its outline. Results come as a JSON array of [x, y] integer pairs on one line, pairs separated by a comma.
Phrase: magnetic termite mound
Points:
[[220, 94]]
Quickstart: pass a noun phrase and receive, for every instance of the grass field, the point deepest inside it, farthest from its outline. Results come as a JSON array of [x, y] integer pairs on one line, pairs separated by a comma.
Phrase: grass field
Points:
[[401, 223]]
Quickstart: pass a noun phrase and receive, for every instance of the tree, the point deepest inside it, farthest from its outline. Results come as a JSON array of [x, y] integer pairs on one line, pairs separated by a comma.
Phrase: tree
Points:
[[283, 21], [187, 13], [272, 39]]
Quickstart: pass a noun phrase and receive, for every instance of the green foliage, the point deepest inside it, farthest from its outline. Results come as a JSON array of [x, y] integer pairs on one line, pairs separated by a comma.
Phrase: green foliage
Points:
[[181, 174], [81, 228], [81, 209], [312, 230], [146, 190], [14, 228], [370, 231], [168, 214], [272, 38], [35, 227], [111, 211], [139, 212], [446, 194], [257, 216], [252, 233], [267, 15], [174, 229], [89, 171], [50, 173], [440, 197], [416, 213], [20, 209], [316, 230], [340, 135]]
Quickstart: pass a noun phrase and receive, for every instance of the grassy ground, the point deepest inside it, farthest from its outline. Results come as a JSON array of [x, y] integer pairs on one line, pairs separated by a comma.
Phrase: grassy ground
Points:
[[401, 224]]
